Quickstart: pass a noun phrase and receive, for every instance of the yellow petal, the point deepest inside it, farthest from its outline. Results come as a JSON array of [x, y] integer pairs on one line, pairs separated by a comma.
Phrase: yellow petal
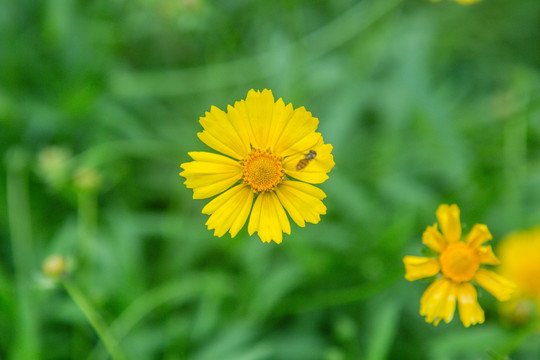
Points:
[[486, 256], [268, 218], [210, 174], [298, 126], [229, 210], [316, 170], [470, 311], [259, 108], [309, 142], [240, 219], [497, 285], [223, 134], [417, 267], [439, 301], [448, 217], [280, 117], [220, 200], [302, 201], [255, 217], [280, 214], [433, 239], [478, 235]]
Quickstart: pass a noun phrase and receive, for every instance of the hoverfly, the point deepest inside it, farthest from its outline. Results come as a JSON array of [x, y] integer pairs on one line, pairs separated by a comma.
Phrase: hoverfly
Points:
[[305, 161]]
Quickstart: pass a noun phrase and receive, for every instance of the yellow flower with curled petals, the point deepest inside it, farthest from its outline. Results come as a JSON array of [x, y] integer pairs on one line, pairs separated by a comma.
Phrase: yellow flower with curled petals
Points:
[[261, 142], [456, 265], [520, 257]]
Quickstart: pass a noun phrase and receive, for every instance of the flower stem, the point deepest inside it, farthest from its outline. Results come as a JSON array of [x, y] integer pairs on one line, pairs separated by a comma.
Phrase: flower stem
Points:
[[26, 332], [87, 220], [95, 320]]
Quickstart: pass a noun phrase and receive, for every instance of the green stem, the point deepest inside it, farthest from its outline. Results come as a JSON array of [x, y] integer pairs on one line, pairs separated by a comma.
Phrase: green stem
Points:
[[177, 291], [87, 223], [26, 338], [95, 320]]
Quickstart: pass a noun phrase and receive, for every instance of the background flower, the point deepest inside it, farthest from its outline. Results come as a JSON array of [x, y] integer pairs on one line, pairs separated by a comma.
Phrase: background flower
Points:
[[458, 264], [520, 263]]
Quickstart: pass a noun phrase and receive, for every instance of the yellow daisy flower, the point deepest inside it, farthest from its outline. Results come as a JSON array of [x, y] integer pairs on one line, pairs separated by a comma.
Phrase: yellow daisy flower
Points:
[[520, 256], [458, 263], [271, 156]]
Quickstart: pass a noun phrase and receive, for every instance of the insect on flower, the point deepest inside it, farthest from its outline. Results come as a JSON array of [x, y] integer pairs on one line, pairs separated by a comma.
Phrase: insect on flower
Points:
[[305, 161]]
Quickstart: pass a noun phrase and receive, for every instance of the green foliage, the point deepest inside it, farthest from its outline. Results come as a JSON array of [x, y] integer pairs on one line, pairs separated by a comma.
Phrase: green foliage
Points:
[[424, 103]]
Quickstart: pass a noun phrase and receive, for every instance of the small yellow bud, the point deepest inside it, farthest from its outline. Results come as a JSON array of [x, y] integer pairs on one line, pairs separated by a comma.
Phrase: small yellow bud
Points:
[[54, 266], [53, 165], [88, 179]]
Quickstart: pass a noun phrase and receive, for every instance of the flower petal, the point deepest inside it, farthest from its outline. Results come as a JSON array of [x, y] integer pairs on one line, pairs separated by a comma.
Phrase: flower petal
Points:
[[470, 311], [478, 235], [497, 285], [299, 125], [439, 301], [417, 267], [486, 256], [268, 218], [224, 133], [316, 170], [210, 174], [448, 217], [229, 210], [280, 117], [433, 239], [259, 108], [302, 201], [243, 212]]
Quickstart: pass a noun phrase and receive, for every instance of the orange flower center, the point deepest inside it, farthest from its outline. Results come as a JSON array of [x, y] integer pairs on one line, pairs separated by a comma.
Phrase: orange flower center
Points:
[[262, 170], [459, 262]]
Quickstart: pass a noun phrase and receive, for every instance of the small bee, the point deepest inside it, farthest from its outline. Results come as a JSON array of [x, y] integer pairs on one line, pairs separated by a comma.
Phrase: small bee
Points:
[[305, 161]]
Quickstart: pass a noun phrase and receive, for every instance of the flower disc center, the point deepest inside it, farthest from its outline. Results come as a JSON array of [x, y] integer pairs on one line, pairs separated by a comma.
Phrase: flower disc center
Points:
[[262, 170], [459, 262]]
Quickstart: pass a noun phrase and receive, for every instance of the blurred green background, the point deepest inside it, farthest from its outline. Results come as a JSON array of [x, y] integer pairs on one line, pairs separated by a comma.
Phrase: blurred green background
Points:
[[424, 103]]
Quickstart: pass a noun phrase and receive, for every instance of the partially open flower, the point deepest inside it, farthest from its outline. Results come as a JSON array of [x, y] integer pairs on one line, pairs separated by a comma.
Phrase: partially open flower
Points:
[[456, 266]]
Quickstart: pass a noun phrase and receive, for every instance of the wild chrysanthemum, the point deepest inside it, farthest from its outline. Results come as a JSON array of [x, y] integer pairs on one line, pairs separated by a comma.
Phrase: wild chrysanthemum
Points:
[[520, 256], [458, 263], [271, 155]]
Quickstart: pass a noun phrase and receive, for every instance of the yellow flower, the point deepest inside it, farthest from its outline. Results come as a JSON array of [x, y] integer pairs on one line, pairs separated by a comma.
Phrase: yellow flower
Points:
[[262, 142], [520, 256], [457, 264]]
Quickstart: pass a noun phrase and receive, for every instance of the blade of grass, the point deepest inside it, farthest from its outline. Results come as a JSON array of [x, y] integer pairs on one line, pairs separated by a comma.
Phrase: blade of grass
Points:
[[26, 333]]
